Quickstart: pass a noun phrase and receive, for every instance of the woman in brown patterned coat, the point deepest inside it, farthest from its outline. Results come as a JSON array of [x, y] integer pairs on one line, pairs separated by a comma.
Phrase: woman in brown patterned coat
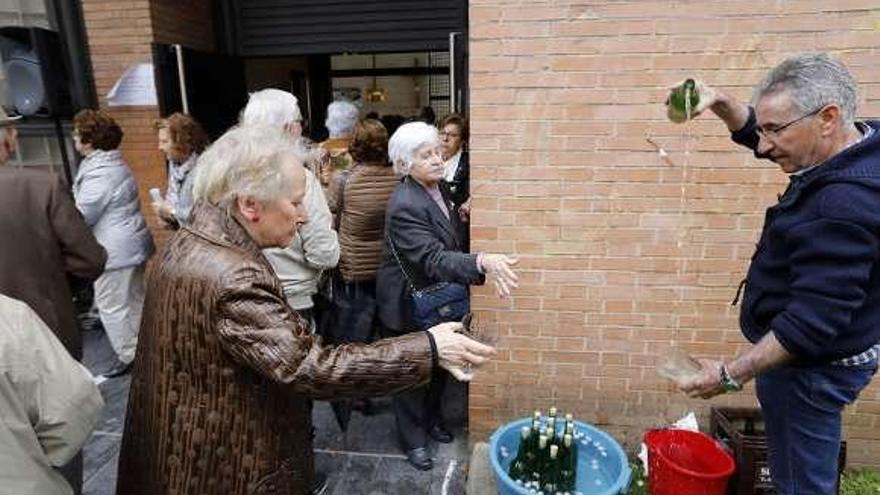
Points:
[[219, 400]]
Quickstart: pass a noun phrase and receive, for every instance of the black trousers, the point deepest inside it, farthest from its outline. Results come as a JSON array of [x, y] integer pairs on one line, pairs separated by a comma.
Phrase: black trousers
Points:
[[419, 409], [351, 316], [73, 473]]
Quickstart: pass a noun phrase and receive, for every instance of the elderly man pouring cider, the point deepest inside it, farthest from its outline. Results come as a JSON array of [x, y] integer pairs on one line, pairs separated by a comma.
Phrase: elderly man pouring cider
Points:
[[811, 301]]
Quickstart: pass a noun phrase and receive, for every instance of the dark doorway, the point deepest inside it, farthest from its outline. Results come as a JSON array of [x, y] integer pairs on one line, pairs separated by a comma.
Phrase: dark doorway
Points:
[[214, 84]]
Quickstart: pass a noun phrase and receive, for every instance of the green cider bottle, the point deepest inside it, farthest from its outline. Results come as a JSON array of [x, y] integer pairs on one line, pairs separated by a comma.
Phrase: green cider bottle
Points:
[[569, 429], [683, 102], [531, 453], [569, 464], [550, 480], [519, 469], [540, 465]]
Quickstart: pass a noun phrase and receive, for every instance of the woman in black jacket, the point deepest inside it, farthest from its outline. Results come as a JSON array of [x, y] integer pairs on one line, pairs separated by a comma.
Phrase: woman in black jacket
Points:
[[454, 134], [424, 229]]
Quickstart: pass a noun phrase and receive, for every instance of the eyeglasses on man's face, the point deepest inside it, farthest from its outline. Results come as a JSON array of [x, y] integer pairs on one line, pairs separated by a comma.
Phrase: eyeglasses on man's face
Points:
[[775, 131], [445, 134]]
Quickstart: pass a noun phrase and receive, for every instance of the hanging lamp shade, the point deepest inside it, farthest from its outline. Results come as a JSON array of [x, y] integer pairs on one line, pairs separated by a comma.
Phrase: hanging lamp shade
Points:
[[375, 93]]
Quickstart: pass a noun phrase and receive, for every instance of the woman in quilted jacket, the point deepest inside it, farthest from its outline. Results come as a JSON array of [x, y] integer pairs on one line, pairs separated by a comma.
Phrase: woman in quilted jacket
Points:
[[107, 196]]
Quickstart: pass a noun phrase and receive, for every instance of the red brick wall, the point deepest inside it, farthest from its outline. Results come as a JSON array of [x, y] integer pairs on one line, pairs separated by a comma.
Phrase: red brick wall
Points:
[[622, 253], [120, 34]]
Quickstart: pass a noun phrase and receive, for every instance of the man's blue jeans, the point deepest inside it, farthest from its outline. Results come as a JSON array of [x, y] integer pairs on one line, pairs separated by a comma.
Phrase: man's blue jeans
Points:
[[802, 409]]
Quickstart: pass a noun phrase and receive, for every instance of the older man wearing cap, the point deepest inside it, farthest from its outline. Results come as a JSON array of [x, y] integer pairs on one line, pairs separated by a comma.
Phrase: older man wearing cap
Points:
[[48, 244]]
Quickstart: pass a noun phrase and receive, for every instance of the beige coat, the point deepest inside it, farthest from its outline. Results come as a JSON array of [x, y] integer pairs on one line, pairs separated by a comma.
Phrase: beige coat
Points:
[[219, 400], [48, 404], [315, 249]]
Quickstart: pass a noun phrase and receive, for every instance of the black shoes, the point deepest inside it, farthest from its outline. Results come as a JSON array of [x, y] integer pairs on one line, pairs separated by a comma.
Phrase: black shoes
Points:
[[120, 369], [420, 459], [440, 434]]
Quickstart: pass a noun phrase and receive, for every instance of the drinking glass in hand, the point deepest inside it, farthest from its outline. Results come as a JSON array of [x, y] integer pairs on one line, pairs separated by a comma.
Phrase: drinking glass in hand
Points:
[[677, 365], [478, 329]]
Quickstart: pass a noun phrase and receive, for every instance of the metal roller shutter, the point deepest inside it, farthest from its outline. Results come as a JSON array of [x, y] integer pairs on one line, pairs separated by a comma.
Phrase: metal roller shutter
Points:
[[307, 27]]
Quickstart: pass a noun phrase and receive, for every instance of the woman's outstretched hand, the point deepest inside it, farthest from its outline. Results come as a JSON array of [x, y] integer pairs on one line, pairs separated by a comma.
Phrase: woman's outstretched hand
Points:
[[459, 354], [499, 269]]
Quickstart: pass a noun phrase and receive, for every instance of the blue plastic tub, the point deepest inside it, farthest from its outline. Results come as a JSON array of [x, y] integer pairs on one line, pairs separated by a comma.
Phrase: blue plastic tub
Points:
[[597, 473]]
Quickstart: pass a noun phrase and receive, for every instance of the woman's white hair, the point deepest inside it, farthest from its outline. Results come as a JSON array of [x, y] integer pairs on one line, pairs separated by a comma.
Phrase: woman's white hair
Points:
[[406, 142], [271, 107], [341, 118], [247, 161]]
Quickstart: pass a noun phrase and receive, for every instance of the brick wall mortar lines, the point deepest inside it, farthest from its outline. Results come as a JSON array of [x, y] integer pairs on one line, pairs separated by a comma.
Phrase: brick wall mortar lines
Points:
[[615, 264]]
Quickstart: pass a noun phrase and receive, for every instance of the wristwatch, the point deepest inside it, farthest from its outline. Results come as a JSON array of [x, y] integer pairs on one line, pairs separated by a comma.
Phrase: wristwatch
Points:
[[728, 384]]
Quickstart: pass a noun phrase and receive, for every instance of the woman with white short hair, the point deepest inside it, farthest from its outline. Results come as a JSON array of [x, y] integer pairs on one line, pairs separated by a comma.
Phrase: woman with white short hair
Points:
[[341, 119], [423, 247], [275, 108]]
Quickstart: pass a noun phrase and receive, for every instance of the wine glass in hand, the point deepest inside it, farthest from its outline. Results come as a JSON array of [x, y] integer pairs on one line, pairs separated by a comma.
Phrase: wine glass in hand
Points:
[[477, 328]]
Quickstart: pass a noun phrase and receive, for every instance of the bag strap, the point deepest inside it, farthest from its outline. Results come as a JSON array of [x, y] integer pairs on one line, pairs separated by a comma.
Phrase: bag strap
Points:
[[402, 264], [343, 181]]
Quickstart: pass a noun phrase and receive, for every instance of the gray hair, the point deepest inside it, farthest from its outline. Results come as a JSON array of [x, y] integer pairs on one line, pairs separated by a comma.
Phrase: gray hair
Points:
[[247, 161], [341, 118], [406, 142], [271, 107], [813, 80]]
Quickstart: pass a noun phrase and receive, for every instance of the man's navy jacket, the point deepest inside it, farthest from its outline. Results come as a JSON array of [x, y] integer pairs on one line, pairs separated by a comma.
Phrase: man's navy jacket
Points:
[[814, 280]]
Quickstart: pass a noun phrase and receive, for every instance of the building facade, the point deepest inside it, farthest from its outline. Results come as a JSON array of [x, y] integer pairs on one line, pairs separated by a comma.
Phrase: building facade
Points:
[[623, 250]]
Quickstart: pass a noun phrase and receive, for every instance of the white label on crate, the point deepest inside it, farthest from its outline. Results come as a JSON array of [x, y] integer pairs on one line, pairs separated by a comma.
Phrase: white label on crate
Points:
[[764, 475]]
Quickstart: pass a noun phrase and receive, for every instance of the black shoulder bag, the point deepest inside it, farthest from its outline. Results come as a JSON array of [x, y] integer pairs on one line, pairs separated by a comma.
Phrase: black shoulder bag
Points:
[[435, 303]]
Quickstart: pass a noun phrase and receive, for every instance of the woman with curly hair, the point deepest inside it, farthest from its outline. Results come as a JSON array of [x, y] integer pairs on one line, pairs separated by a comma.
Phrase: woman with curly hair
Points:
[[107, 196], [182, 140]]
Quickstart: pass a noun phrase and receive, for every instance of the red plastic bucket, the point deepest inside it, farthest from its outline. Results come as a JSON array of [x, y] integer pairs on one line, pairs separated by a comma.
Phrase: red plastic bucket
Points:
[[682, 462]]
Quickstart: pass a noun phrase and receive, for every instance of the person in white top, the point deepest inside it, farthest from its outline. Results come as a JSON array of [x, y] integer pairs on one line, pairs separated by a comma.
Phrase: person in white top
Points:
[[49, 404], [316, 248], [106, 194]]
